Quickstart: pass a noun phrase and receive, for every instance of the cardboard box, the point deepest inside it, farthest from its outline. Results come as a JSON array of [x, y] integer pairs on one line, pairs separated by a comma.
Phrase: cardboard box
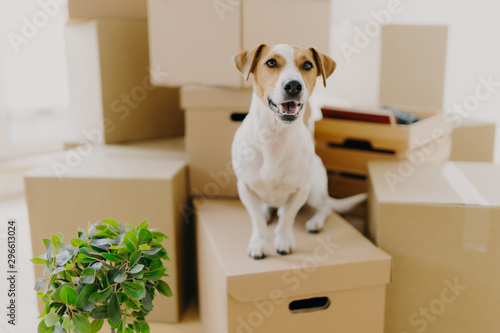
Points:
[[85, 9], [212, 117], [335, 281], [355, 161], [111, 97], [209, 33], [342, 185], [128, 184], [473, 141], [441, 225], [412, 79]]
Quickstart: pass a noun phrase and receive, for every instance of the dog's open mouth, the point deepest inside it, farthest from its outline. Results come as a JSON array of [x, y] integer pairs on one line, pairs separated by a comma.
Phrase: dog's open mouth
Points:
[[288, 111]]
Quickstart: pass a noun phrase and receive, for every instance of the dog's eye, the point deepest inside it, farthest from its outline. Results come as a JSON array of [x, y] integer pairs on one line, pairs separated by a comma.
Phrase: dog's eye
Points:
[[271, 63], [307, 65]]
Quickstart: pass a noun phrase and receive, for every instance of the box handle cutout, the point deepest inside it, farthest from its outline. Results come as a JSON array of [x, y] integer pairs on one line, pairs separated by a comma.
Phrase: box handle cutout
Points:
[[309, 304], [360, 145], [238, 116]]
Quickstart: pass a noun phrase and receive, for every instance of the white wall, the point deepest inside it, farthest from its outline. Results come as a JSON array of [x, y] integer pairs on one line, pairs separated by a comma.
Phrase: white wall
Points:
[[473, 48]]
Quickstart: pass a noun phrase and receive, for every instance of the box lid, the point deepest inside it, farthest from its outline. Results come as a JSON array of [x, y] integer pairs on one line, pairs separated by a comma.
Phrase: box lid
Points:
[[449, 183], [202, 97], [413, 66], [157, 159], [338, 258]]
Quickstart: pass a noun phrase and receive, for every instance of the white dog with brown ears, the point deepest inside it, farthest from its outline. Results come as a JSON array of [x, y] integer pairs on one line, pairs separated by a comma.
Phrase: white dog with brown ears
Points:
[[273, 151]]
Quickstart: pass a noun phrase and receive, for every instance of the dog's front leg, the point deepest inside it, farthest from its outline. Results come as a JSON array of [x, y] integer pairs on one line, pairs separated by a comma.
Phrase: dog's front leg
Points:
[[284, 241], [259, 241]]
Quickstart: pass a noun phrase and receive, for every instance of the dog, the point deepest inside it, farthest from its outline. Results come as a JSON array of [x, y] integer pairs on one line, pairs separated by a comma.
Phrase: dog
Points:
[[273, 151]]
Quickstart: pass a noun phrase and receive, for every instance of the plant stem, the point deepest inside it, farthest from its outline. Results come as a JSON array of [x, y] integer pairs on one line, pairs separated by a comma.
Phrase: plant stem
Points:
[[112, 330]]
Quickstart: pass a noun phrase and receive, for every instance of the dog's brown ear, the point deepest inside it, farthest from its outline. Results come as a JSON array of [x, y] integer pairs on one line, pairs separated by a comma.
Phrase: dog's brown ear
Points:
[[325, 64], [245, 61]]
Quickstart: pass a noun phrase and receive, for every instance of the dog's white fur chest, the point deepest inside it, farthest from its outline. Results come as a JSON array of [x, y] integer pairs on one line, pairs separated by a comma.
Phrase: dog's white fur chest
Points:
[[272, 159]]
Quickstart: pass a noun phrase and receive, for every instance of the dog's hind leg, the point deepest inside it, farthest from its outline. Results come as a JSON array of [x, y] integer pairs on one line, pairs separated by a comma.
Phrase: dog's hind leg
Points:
[[259, 241], [318, 197]]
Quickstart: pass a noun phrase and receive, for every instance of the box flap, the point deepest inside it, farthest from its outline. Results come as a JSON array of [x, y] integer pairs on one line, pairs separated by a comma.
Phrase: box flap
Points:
[[338, 258], [203, 97], [413, 66], [449, 183], [158, 159]]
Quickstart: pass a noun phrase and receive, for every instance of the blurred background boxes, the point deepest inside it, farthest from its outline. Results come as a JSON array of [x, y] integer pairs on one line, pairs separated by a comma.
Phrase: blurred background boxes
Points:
[[473, 141], [85, 9], [109, 83], [346, 146], [125, 183], [335, 279], [212, 117], [355, 161], [214, 31], [441, 225]]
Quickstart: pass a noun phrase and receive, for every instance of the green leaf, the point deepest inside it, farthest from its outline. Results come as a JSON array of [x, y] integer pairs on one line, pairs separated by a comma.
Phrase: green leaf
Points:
[[51, 319], [144, 247], [111, 222], [155, 264], [120, 277], [88, 275], [56, 241], [85, 259], [81, 323], [110, 322], [134, 290], [144, 327], [47, 243], [67, 324], [113, 257], [99, 312], [38, 261], [76, 242], [131, 237], [136, 268], [62, 258], [69, 295], [145, 236], [155, 275], [146, 302], [99, 296], [157, 234], [42, 328], [164, 288], [91, 231], [122, 297], [84, 295], [134, 258], [114, 311], [96, 325], [39, 284], [144, 224]]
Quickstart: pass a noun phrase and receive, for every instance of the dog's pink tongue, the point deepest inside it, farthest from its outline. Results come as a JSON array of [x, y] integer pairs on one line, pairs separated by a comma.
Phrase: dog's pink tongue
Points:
[[289, 107]]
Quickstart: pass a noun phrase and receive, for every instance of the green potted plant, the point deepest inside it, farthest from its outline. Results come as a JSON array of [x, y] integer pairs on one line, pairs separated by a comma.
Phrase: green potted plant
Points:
[[109, 272]]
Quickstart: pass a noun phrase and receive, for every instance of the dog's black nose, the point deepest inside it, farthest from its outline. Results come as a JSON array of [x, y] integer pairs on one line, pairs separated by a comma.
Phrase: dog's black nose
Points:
[[293, 88]]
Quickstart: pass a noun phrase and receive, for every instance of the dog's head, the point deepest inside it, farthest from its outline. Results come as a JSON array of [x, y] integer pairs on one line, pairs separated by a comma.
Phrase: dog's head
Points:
[[284, 76]]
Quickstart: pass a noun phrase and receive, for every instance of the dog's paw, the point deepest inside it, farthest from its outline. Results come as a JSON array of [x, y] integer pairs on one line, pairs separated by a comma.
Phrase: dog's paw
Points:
[[284, 244], [257, 248], [315, 224]]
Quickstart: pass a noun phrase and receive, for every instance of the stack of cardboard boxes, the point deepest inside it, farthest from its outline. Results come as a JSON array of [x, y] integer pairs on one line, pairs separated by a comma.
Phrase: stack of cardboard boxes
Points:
[[130, 79], [236, 293]]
